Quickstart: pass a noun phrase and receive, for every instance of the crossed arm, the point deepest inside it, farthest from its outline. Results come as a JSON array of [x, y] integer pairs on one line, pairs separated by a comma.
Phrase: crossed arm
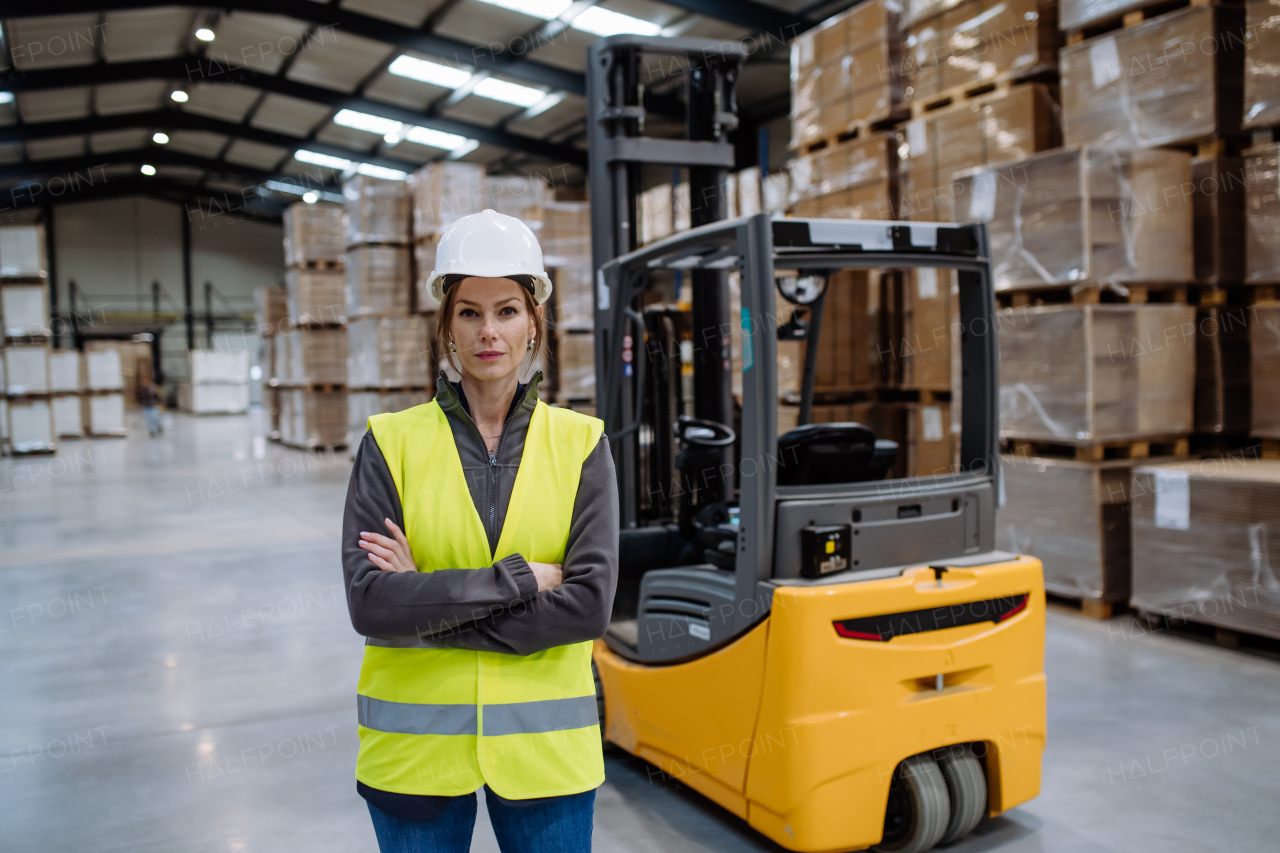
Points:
[[513, 606]]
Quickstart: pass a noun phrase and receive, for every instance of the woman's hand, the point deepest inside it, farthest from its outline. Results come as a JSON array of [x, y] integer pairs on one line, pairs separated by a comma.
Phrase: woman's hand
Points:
[[549, 575], [389, 554]]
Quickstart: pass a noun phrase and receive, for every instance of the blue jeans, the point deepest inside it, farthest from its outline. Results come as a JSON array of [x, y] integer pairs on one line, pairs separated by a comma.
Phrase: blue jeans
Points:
[[555, 825], [152, 415]]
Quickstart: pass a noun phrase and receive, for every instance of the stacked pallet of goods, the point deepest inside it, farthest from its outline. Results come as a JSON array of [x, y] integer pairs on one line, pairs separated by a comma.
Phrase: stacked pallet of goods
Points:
[[27, 414], [566, 248], [218, 383], [271, 314], [1121, 335], [110, 379], [67, 385], [309, 342]]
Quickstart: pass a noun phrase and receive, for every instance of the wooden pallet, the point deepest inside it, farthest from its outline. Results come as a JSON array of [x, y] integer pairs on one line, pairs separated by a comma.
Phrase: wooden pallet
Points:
[[1270, 448], [1261, 294], [1092, 608], [970, 91], [1100, 451], [1095, 294], [392, 389], [860, 130], [835, 395], [1132, 18], [320, 265], [325, 387]]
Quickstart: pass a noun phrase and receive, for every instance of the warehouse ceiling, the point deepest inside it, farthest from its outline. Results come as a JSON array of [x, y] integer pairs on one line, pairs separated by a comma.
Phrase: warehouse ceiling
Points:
[[256, 102]]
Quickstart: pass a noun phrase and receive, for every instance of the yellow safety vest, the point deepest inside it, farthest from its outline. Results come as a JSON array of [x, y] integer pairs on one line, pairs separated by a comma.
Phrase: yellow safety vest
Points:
[[445, 722]]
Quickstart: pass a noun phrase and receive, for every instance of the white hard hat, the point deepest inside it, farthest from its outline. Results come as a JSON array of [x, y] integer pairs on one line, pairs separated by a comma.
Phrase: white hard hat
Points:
[[492, 245]]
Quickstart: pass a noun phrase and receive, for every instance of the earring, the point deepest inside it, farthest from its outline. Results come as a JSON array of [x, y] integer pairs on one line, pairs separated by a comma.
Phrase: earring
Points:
[[530, 346], [451, 347]]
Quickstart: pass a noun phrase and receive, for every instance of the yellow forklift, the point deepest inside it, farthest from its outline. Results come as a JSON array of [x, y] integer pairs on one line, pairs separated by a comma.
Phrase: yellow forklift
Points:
[[841, 660]]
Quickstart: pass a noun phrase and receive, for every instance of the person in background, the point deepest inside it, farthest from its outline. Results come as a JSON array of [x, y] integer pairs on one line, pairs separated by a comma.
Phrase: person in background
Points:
[[149, 399]]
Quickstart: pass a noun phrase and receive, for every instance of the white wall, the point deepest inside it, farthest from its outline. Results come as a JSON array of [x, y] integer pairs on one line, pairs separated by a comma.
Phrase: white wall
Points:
[[113, 249]]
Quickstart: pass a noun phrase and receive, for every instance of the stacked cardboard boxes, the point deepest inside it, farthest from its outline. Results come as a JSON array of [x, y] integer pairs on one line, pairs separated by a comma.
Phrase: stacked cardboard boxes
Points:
[[218, 383], [25, 338], [441, 193], [66, 384], [850, 180], [110, 380], [271, 313]]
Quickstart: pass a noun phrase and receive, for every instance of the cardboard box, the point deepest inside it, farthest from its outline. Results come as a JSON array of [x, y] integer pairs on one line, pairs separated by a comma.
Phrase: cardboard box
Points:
[[22, 252], [313, 419], [66, 371], [1074, 517], [444, 192], [1084, 215], [218, 366], [851, 340], [26, 369], [1083, 374], [1218, 206], [1200, 543], [24, 310], [573, 297], [1008, 124], [271, 310], [30, 426], [846, 72], [566, 233], [1262, 213], [1264, 358], [362, 405], [378, 281], [104, 414], [318, 356], [225, 398], [389, 352], [1222, 369], [313, 233], [1156, 83], [316, 296], [68, 416], [375, 210], [103, 370], [1261, 56], [134, 360], [575, 367], [921, 344]]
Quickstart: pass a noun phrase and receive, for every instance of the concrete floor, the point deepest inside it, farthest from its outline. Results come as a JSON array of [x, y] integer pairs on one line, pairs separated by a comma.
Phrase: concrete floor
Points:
[[179, 669]]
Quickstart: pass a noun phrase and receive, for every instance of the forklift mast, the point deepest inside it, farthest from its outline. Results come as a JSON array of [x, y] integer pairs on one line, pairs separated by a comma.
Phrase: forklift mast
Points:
[[630, 78]]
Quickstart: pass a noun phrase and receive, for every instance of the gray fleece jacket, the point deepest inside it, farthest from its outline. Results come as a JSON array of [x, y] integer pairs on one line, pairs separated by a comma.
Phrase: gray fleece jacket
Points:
[[492, 608]]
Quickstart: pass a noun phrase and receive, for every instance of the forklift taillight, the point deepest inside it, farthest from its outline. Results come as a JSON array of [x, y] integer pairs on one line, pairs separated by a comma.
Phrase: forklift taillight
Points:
[[883, 628]]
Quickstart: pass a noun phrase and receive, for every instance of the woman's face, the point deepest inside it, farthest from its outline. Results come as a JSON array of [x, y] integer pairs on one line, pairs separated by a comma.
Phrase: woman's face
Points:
[[491, 327]]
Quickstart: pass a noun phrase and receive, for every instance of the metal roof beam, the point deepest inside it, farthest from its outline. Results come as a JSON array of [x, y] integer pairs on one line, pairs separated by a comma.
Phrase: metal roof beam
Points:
[[756, 17], [195, 72], [496, 57]]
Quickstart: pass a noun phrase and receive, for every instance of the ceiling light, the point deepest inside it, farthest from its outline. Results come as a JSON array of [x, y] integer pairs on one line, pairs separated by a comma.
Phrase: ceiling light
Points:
[[603, 22], [429, 72], [510, 93], [542, 106], [316, 159], [148, 169], [380, 172], [179, 96], [392, 138], [310, 198], [464, 149], [436, 138], [545, 9], [6, 97], [204, 34], [364, 121], [160, 138]]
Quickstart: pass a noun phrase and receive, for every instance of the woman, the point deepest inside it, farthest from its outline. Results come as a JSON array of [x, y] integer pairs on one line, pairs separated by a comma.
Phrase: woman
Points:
[[480, 552]]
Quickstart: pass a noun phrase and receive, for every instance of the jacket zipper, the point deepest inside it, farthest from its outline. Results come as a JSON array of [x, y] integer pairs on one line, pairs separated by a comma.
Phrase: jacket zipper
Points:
[[493, 457]]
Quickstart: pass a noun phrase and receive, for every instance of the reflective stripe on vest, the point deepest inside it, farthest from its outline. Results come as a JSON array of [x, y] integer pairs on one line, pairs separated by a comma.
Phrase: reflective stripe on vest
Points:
[[444, 721]]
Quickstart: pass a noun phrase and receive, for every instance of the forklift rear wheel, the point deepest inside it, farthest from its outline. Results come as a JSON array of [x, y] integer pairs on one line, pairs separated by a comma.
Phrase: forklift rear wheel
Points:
[[595, 674], [919, 808], [968, 789]]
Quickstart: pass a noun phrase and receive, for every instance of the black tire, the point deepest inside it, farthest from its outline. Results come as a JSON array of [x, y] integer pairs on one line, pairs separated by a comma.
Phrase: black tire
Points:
[[919, 807], [967, 789], [595, 674]]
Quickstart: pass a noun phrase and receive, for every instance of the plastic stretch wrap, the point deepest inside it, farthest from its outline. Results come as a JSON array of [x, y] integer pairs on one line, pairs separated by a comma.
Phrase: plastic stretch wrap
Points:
[[1074, 14], [845, 72], [1084, 215], [1218, 207], [377, 280], [389, 352], [218, 366], [868, 160], [1201, 543], [447, 191], [1264, 355], [271, 310], [749, 199], [22, 252], [977, 41], [104, 413], [316, 296], [362, 405], [68, 416], [520, 196], [1074, 517], [280, 358], [24, 310], [30, 426], [775, 190], [318, 356], [313, 233], [1175, 78], [1262, 63], [1262, 213], [921, 327], [376, 210], [566, 233], [575, 367], [655, 214], [574, 307], [65, 371], [850, 348], [313, 418], [1081, 374], [26, 369], [1008, 124], [1222, 369]]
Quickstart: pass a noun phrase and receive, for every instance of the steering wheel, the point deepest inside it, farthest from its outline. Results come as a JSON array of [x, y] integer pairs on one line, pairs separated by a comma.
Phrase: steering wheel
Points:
[[696, 432]]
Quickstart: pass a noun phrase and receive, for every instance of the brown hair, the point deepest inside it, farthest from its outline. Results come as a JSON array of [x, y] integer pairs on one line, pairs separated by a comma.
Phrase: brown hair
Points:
[[445, 317]]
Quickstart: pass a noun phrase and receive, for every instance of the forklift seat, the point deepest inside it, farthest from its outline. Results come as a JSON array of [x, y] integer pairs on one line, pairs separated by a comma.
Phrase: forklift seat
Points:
[[819, 454]]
